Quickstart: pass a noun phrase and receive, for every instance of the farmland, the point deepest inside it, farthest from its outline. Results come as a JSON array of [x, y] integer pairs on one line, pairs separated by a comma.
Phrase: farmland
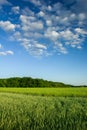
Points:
[[27, 112], [63, 92], [43, 108]]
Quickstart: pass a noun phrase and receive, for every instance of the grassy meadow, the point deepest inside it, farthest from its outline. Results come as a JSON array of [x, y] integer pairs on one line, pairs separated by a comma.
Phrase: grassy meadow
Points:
[[70, 92], [27, 112], [43, 108]]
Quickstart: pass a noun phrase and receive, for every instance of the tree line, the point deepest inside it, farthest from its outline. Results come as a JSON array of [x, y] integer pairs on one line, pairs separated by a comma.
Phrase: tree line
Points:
[[30, 82]]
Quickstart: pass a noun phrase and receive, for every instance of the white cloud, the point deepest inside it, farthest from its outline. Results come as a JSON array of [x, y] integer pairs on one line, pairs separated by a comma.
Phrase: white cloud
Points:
[[36, 25], [72, 38], [57, 6], [17, 34], [82, 16], [36, 52], [67, 34], [9, 52], [35, 35], [41, 14], [69, 38], [64, 20], [55, 27], [72, 16], [40, 46], [49, 23], [36, 2], [4, 2], [34, 48], [53, 35], [4, 53], [26, 11], [0, 46], [7, 26], [80, 31], [79, 47], [30, 23], [49, 8], [16, 9], [63, 50], [24, 19], [59, 46], [57, 24]]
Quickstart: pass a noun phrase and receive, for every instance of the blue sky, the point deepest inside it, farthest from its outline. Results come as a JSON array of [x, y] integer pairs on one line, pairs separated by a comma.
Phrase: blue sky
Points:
[[44, 39]]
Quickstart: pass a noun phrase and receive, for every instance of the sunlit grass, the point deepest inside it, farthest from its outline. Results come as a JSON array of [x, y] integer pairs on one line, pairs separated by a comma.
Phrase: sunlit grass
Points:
[[77, 92], [25, 112]]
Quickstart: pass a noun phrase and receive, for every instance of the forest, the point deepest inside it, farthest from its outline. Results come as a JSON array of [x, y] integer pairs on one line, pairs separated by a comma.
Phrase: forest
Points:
[[31, 82]]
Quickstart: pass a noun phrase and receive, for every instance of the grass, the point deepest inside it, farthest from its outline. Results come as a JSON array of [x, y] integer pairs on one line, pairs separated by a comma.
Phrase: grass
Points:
[[27, 112], [67, 92], [52, 109]]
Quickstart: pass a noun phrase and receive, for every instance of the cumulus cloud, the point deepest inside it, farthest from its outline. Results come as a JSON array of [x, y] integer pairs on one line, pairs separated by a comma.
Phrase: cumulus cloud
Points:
[[16, 9], [52, 35], [40, 46], [4, 2], [41, 14], [4, 53], [33, 47], [68, 34], [72, 38], [30, 23], [0, 46], [16, 36], [10, 52], [26, 11], [49, 8], [79, 47], [49, 23], [82, 16], [58, 25], [36, 2], [7, 26], [60, 48], [80, 31]]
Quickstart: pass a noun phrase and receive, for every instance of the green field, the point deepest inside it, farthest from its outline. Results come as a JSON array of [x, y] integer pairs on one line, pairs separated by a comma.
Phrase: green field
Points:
[[70, 92], [25, 112], [43, 108]]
